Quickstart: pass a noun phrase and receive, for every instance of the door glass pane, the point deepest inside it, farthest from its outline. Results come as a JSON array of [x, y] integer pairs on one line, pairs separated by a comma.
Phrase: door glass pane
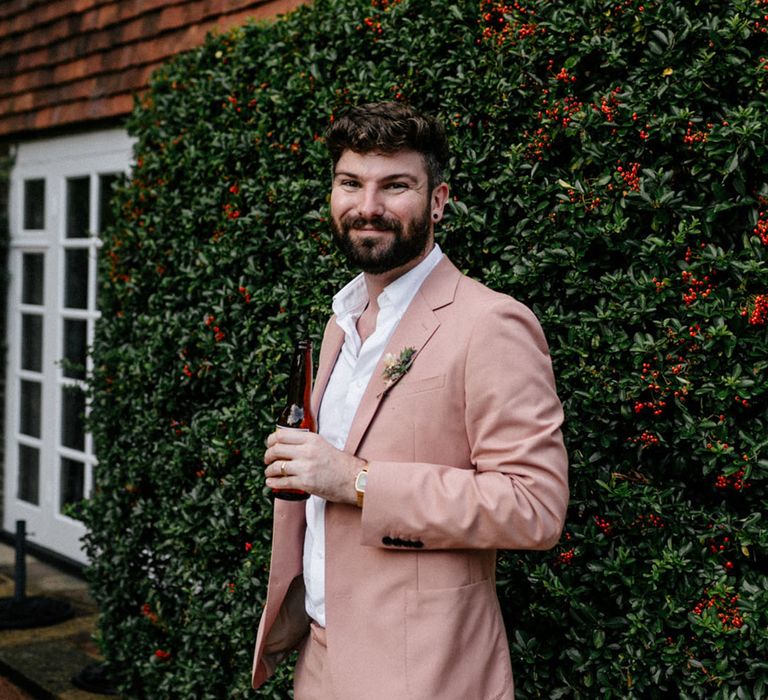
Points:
[[30, 408], [76, 278], [106, 217], [34, 204], [29, 474], [78, 206], [72, 486], [32, 342], [75, 348], [73, 417], [32, 279]]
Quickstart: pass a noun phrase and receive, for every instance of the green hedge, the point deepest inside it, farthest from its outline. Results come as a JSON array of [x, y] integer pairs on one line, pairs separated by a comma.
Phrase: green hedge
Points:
[[610, 170]]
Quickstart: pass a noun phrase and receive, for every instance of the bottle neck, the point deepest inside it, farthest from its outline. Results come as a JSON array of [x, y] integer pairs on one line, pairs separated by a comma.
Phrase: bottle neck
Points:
[[300, 382]]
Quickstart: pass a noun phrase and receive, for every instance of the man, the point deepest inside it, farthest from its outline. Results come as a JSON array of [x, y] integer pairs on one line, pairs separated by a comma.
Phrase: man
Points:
[[439, 442]]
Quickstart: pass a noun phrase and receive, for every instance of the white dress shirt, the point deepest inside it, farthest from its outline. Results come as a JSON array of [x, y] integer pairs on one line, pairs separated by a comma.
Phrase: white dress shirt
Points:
[[346, 386]]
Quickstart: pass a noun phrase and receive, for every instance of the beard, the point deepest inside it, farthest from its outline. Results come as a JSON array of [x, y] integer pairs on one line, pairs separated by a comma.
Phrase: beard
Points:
[[379, 254]]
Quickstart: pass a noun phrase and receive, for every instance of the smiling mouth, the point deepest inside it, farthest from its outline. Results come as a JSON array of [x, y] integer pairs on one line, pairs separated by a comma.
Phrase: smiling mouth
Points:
[[372, 226]]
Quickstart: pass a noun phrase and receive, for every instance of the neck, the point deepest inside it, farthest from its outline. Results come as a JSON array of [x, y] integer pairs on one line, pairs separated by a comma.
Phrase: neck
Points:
[[375, 284]]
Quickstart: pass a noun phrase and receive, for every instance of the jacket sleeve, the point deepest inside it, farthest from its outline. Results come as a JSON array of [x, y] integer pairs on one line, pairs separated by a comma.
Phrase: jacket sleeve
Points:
[[514, 492]]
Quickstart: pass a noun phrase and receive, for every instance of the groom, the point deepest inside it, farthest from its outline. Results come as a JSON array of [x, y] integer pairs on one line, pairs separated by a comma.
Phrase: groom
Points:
[[439, 442]]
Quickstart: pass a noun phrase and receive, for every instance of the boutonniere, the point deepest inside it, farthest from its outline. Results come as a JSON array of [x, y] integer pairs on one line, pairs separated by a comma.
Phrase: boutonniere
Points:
[[397, 366]]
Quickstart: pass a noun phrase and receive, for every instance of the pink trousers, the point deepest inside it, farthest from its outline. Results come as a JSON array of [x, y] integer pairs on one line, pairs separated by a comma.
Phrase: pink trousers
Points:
[[311, 681]]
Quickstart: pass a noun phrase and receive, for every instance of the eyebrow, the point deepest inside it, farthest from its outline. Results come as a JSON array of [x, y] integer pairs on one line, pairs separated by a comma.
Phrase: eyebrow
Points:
[[388, 178]]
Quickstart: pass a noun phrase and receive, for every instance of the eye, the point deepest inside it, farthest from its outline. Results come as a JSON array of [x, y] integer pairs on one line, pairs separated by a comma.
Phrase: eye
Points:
[[349, 184], [397, 186]]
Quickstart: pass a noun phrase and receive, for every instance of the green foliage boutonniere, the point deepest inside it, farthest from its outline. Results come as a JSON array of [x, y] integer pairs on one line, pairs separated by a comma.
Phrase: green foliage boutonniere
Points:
[[395, 367]]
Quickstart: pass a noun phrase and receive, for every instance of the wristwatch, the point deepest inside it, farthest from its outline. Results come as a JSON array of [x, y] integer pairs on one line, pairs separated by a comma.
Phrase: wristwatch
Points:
[[360, 481]]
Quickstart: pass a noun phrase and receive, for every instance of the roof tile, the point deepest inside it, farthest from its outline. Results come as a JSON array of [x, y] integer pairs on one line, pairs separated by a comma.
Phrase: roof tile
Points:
[[66, 62]]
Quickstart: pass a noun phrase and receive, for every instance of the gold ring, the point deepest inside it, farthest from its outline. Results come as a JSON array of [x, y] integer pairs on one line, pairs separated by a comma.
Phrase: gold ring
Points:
[[282, 469]]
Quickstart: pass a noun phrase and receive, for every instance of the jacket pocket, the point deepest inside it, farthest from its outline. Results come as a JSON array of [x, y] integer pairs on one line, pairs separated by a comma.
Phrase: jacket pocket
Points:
[[409, 386], [456, 647]]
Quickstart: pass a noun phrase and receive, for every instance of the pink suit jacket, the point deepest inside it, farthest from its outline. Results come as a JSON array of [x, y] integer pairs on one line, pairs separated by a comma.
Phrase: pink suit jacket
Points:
[[465, 456]]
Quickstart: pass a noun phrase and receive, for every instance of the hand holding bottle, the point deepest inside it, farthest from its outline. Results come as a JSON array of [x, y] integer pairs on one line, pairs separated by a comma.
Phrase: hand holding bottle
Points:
[[306, 462]]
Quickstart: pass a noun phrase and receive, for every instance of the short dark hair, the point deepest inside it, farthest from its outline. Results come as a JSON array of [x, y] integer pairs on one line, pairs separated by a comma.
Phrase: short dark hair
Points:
[[388, 127]]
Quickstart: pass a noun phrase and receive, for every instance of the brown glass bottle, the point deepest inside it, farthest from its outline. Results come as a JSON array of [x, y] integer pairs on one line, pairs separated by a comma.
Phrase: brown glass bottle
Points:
[[297, 414]]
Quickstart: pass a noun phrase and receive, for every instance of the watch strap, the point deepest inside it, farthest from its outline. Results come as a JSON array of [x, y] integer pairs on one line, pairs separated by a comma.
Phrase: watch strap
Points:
[[360, 482]]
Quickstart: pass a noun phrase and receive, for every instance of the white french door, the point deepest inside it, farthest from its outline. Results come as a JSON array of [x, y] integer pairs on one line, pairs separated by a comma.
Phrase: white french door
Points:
[[59, 204]]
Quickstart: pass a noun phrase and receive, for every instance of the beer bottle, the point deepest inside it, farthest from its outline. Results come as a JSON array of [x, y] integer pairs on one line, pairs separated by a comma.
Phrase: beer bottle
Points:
[[297, 414]]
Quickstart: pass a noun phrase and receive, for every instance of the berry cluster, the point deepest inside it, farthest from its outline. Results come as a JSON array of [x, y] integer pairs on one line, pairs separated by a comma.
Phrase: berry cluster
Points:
[[761, 24], [732, 482], [372, 25], [397, 93], [504, 21], [589, 201], [218, 334], [651, 379], [115, 264], [697, 288], [609, 105], [694, 136], [621, 7], [656, 407], [565, 77], [756, 311], [649, 520], [741, 400], [721, 548], [565, 558], [726, 608], [231, 103], [761, 228], [560, 111], [646, 439], [716, 548], [538, 143], [605, 525], [146, 611], [317, 238], [231, 211], [630, 176]]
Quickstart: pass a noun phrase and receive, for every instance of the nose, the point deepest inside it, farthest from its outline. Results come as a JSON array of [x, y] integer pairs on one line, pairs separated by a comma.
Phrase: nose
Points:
[[370, 204]]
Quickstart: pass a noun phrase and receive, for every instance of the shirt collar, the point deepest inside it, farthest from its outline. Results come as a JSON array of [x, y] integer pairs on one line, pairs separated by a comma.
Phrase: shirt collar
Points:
[[351, 300]]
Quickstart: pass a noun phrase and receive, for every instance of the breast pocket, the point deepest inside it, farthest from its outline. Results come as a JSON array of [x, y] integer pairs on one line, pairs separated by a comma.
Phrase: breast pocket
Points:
[[407, 386]]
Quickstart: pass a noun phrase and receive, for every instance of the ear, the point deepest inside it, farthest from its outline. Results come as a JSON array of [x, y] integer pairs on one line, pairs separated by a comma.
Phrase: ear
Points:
[[439, 199]]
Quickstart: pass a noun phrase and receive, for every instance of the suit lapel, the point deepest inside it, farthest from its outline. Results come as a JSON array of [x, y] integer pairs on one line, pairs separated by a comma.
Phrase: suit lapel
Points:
[[416, 327], [333, 339]]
